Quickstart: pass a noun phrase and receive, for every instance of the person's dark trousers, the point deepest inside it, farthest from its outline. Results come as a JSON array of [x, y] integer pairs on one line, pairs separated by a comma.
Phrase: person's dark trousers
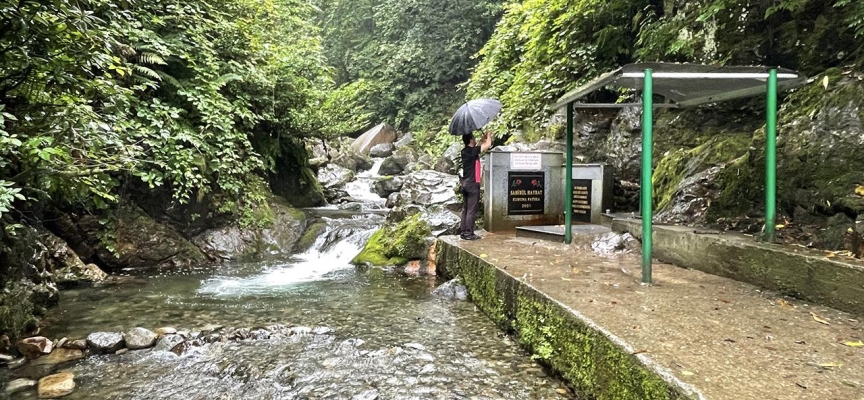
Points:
[[471, 201]]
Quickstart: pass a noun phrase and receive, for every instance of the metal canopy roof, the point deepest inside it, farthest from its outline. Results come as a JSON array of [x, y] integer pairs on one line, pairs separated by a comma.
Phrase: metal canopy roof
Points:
[[687, 85]]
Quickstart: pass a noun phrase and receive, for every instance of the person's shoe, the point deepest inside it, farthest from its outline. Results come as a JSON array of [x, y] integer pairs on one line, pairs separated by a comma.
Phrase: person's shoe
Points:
[[470, 236]]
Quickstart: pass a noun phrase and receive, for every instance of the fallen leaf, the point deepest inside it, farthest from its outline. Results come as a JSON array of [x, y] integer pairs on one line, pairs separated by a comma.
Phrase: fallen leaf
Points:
[[562, 391], [780, 226], [566, 279], [484, 255], [850, 230], [784, 303], [686, 373], [638, 352], [802, 386], [825, 82], [820, 319], [830, 365], [854, 344], [859, 190]]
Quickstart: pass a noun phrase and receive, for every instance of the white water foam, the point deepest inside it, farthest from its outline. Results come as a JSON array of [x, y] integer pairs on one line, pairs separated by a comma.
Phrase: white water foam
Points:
[[313, 265], [361, 187]]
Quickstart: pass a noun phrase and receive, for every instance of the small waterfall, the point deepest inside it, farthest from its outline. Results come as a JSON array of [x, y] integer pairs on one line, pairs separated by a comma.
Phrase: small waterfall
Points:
[[361, 187], [332, 252]]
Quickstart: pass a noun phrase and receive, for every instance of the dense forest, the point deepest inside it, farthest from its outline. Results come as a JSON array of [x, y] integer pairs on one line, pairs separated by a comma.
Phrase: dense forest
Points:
[[206, 109]]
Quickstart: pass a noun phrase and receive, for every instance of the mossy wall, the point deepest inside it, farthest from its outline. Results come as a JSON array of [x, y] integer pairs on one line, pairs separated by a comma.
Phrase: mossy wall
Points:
[[588, 360]]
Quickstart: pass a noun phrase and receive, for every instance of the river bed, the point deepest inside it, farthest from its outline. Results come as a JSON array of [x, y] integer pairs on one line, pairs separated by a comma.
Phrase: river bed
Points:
[[390, 339]]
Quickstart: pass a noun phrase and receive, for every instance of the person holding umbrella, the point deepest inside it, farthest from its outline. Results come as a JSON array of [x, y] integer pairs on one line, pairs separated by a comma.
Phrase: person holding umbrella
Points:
[[472, 116], [471, 182]]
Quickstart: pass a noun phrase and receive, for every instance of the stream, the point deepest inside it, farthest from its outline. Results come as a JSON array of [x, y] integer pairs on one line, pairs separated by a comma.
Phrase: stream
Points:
[[390, 338]]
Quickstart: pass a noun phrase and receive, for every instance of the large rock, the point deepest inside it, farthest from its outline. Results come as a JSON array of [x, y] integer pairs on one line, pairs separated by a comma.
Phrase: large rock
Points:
[[428, 188], [57, 385], [131, 239], [381, 133], [449, 162], [691, 199], [396, 164], [334, 176], [387, 185], [234, 242], [35, 347], [353, 161], [139, 338], [431, 194], [105, 342], [28, 287], [67, 267], [382, 150]]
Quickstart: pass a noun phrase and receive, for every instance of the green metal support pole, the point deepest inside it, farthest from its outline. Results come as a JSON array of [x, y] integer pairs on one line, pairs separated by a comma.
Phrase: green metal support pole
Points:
[[568, 179], [771, 157], [647, 148]]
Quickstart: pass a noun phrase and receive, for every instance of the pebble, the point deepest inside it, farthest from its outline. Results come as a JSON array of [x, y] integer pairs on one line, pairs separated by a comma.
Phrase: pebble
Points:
[[19, 385], [139, 338]]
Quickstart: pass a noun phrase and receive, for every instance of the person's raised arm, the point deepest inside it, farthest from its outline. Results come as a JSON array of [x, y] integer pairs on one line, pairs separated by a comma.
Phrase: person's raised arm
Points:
[[487, 143]]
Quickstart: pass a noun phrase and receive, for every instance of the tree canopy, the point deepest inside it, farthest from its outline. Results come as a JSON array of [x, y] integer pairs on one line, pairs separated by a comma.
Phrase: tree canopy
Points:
[[199, 97]]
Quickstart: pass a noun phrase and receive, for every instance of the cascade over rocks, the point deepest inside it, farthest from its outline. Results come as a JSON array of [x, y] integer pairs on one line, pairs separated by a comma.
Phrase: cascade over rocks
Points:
[[388, 185]]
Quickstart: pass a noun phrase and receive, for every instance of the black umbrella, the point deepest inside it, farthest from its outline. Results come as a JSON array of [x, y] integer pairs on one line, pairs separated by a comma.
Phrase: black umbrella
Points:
[[474, 115]]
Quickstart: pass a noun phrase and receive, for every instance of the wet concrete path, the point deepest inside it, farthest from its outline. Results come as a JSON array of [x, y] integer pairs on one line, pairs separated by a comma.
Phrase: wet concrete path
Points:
[[726, 338]]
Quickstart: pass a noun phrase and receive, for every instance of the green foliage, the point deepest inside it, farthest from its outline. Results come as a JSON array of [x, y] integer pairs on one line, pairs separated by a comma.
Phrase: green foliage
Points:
[[411, 54], [96, 93], [543, 48]]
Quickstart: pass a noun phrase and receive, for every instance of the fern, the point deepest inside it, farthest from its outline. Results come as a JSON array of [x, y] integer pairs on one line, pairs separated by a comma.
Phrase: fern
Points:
[[142, 70]]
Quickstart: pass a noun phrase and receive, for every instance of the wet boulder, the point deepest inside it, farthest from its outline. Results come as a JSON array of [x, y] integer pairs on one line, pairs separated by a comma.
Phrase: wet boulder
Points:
[[431, 194], [352, 161], [387, 185], [396, 163], [405, 140], [140, 338], [138, 241], [691, 198], [279, 239], [449, 162], [334, 176], [105, 342], [382, 150], [381, 133], [68, 269], [452, 290]]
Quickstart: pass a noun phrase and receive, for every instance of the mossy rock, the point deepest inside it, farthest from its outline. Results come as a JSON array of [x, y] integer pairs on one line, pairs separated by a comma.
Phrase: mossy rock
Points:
[[309, 237], [396, 244]]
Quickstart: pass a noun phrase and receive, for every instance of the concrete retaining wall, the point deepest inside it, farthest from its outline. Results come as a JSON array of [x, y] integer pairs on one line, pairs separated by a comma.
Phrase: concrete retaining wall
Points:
[[593, 362], [804, 274]]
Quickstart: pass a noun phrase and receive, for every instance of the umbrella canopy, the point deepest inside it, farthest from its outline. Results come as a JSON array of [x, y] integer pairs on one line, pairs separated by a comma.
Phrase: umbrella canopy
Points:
[[474, 115]]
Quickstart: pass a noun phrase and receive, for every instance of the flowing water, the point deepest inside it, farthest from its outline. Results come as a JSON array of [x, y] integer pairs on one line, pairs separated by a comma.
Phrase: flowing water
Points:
[[390, 339]]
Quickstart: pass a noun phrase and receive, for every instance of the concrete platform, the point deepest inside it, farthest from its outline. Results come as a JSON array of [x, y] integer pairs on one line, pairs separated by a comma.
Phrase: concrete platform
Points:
[[693, 335], [803, 273], [555, 233]]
